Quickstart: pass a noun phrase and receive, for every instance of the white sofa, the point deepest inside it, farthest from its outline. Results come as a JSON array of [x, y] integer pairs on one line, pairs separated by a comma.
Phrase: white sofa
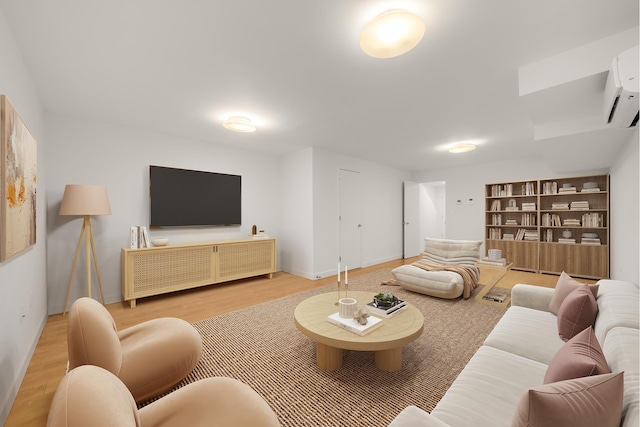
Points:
[[515, 356]]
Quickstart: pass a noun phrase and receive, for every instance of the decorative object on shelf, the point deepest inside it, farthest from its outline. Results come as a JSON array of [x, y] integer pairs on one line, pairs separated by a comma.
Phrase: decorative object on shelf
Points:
[[160, 242], [18, 150], [254, 230], [85, 200], [567, 234], [139, 237], [361, 315]]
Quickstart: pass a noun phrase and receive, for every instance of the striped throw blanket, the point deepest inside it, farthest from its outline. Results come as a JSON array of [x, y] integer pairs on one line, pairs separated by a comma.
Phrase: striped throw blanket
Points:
[[469, 274]]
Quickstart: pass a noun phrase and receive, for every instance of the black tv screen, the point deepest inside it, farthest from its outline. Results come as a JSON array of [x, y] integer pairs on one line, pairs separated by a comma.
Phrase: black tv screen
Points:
[[182, 197]]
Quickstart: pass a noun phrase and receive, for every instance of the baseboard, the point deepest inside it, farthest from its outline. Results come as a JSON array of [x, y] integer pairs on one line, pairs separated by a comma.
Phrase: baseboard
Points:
[[12, 390]]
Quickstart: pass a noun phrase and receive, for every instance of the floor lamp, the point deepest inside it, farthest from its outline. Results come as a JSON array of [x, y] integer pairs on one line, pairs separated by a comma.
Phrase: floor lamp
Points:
[[85, 200]]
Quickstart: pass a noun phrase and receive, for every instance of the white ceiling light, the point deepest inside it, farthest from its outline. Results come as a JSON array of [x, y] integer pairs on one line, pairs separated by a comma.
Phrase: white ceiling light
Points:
[[462, 148], [391, 34], [239, 124]]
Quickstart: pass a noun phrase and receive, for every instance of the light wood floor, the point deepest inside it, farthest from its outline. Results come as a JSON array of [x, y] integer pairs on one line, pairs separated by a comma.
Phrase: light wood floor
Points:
[[48, 364]]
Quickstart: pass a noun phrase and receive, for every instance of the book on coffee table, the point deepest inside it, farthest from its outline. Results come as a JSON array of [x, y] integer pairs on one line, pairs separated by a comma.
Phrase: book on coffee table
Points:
[[352, 325], [385, 313]]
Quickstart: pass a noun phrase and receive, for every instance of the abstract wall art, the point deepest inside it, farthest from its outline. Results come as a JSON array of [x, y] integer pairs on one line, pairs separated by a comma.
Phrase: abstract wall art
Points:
[[18, 172]]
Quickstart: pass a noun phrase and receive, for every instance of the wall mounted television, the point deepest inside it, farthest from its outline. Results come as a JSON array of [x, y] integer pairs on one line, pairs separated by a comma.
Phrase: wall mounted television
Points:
[[182, 197]]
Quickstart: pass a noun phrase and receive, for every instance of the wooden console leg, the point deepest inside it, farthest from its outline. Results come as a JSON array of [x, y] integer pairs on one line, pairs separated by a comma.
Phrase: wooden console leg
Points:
[[389, 360], [328, 358]]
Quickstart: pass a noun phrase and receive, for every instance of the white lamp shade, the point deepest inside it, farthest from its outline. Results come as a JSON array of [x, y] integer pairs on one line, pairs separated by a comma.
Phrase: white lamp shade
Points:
[[391, 34], [85, 200]]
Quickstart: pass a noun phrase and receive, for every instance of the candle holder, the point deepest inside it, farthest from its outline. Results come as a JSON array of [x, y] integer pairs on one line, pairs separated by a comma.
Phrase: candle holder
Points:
[[338, 293]]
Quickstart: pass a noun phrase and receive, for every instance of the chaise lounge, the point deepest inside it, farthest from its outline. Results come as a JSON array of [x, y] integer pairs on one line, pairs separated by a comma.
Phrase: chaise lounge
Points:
[[447, 269]]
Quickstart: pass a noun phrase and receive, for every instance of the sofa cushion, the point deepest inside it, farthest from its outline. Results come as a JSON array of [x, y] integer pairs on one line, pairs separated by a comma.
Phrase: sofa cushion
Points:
[[581, 356], [528, 333], [618, 306], [564, 286], [488, 389], [577, 312], [443, 284], [622, 350], [594, 401]]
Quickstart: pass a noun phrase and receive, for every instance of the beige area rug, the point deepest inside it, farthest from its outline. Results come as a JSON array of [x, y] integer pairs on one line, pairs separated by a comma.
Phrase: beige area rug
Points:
[[261, 346]]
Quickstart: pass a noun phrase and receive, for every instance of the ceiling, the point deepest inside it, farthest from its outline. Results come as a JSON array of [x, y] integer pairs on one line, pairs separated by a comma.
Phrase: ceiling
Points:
[[295, 67]]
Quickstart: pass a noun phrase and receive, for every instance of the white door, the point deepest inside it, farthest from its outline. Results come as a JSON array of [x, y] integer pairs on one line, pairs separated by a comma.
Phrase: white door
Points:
[[411, 220], [349, 219]]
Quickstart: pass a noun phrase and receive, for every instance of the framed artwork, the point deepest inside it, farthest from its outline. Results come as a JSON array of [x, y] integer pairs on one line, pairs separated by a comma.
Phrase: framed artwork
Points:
[[18, 171]]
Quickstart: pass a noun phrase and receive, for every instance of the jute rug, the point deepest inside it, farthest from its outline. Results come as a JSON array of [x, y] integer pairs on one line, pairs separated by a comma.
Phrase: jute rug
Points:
[[261, 346]]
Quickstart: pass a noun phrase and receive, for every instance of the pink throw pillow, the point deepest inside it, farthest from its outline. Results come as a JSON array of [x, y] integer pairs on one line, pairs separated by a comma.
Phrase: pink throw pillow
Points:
[[594, 401], [577, 312], [581, 356], [565, 285]]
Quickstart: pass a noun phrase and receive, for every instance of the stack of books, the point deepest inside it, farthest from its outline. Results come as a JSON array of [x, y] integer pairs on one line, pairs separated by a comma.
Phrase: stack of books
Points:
[[511, 222], [531, 235], [592, 220], [560, 206], [550, 188], [529, 206], [590, 241], [566, 240], [501, 262], [495, 233], [567, 189], [580, 206], [571, 222], [139, 237], [352, 325], [590, 187], [508, 236], [386, 312]]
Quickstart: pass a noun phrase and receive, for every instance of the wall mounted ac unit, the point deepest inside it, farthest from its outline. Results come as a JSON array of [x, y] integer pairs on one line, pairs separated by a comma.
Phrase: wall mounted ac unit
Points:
[[621, 90]]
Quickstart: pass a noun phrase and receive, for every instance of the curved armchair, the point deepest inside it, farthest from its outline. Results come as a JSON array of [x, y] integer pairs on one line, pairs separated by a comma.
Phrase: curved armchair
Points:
[[149, 358], [92, 396]]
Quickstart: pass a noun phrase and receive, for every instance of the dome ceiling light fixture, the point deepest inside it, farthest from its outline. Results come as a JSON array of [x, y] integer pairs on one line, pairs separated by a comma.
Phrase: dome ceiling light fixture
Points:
[[239, 124], [392, 33], [462, 148]]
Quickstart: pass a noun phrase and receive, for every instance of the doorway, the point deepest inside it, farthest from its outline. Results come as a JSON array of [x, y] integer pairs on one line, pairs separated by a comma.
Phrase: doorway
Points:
[[349, 219]]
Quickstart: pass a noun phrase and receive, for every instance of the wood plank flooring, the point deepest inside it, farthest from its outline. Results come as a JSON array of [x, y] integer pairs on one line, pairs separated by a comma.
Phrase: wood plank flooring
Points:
[[48, 364]]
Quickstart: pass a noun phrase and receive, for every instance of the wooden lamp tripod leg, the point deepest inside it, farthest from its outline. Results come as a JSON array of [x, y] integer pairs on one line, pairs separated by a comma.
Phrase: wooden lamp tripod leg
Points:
[[95, 261], [90, 249], [73, 269]]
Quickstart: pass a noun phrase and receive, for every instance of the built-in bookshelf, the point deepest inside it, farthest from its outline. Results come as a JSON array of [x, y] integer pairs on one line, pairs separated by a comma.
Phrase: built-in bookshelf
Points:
[[551, 225]]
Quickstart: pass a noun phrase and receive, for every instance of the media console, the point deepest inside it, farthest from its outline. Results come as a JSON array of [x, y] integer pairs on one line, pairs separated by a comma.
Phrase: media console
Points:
[[162, 269]]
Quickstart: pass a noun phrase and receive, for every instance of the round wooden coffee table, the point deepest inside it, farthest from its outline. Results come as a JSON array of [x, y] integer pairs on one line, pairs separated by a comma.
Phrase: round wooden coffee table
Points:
[[386, 340]]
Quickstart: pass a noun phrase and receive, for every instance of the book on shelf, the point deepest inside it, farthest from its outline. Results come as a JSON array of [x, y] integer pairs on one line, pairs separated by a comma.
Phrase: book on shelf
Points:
[[352, 325], [139, 237], [508, 236], [386, 313], [579, 206], [550, 188], [529, 206], [587, 241], [590, 190], [565, 240], [567, 190], [560, 206], [571, 222]]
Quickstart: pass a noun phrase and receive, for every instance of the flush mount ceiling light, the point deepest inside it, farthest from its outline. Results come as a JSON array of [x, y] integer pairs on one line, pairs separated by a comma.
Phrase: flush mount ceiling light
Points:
[[239, 124], [462, 148], [391, 34]]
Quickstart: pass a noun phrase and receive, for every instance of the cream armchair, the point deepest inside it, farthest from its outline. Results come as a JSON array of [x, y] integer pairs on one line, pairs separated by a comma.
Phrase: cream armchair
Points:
[[149, 358], [92, 396]]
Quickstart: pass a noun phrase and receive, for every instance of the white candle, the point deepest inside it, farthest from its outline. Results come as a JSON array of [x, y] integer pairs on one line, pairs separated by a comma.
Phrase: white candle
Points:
[[338, 272], [346, 280]]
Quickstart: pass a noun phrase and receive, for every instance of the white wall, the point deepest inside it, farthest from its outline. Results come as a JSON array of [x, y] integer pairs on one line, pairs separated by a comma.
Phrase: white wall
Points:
[[86, 152], [625, 252], [296, 234], [432, 210], [23, 288], [381, 217]]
